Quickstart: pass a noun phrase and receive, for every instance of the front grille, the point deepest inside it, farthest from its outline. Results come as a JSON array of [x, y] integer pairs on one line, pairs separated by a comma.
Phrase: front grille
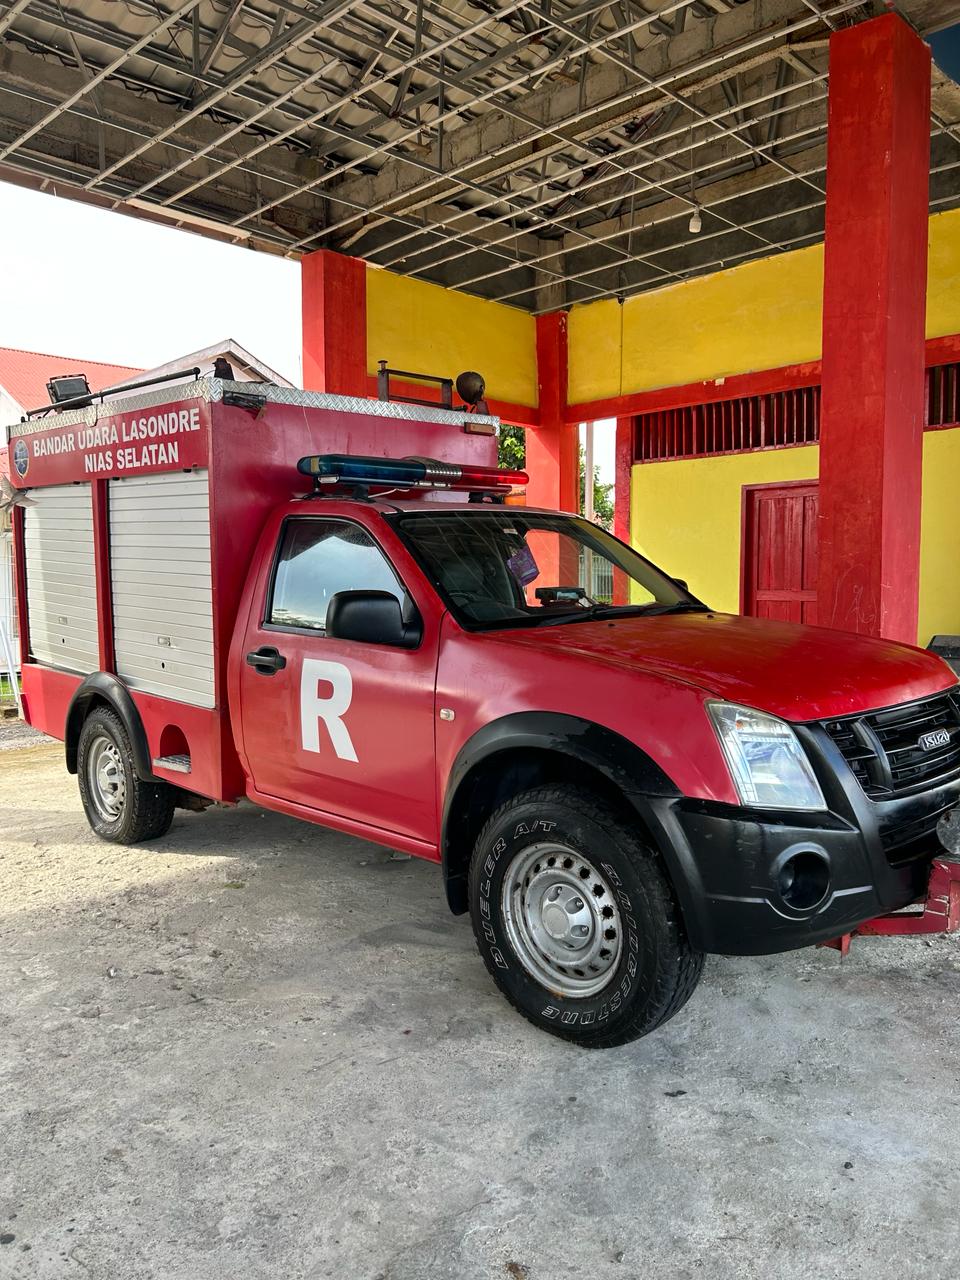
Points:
[[913, 838], [884, 751]]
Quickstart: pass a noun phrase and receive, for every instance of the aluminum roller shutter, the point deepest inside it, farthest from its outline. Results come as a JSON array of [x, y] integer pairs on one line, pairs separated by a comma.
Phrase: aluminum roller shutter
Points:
[[161, 575], [61, 578]]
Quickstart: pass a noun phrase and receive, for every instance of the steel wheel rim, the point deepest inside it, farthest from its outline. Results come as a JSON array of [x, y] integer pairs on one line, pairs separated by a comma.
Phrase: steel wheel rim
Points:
[[106, 782], [562, 919]]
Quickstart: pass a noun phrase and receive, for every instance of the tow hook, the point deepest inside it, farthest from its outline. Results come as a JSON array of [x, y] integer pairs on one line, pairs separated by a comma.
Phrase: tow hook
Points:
[[938, 912]]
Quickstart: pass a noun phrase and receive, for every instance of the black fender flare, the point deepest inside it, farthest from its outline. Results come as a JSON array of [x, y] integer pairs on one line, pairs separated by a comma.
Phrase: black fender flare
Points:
[[637, 777], [102, 686]]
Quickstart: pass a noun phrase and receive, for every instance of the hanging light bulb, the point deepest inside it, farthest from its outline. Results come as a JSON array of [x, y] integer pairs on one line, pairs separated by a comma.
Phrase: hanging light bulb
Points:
[[696, 222]]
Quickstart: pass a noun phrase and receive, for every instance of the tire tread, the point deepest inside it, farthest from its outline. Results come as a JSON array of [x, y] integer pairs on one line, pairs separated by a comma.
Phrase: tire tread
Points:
[[675, 983], [150, 812]]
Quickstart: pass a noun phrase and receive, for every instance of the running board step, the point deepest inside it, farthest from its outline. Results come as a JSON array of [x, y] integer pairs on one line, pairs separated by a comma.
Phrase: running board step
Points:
[[174, 764]]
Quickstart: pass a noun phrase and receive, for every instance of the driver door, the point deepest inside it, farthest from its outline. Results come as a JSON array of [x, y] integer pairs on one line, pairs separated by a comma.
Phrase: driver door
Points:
[[339, 726]]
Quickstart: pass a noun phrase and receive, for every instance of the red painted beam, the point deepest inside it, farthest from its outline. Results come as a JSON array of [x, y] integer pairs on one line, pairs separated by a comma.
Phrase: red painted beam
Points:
[[878, 150], [334, 300], [730, 388], [943, 350], [553, 448]]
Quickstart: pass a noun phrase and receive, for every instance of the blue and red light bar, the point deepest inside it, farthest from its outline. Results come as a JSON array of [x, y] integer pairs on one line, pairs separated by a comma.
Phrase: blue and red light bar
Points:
[[406, 473]]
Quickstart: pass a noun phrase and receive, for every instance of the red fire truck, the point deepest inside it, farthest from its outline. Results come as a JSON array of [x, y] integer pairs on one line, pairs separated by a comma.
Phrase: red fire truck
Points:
[[323, 605]]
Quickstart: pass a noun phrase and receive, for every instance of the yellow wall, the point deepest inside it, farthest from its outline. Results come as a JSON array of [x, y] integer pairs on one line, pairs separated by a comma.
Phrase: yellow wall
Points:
[[940, 536], [758, 316], [686, 517], [761, 315], [943, 274], [429, 329]]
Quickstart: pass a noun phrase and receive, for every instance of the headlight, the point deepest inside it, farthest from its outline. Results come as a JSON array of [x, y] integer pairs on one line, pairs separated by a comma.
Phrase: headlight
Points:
[[769, 767]]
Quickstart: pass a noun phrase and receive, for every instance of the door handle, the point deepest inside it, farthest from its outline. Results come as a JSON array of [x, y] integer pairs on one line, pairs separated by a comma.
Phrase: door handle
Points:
[[267, 661]]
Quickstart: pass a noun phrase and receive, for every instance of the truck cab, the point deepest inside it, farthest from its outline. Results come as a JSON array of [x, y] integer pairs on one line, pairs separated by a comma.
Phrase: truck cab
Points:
[[615, 779], [410, 672]]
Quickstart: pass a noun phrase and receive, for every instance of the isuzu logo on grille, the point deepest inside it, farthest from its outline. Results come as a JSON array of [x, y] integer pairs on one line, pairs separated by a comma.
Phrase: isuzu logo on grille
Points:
[[936, 738]]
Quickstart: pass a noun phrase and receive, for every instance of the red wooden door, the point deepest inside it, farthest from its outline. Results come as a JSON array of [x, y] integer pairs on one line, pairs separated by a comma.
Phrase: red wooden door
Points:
[[779, 562]]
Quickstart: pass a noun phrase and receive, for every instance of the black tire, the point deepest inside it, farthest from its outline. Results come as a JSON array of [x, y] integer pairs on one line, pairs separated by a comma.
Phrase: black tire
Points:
[[144, 810], [651, 969]]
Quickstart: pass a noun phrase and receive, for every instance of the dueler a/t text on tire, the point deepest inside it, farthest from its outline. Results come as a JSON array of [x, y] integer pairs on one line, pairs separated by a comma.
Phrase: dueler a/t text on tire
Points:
[[119, 805], [576, 920]]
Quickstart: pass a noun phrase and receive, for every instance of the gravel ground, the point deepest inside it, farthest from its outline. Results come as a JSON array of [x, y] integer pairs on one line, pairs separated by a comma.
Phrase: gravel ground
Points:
[[14, 734], [256, 1049]]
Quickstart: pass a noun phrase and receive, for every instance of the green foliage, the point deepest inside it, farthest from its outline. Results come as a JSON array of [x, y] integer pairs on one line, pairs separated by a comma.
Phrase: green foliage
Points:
[[602, 494], [512, 453], [511, 447]]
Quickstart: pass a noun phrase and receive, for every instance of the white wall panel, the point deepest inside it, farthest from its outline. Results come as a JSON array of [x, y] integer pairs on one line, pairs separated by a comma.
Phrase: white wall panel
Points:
[[162, 595], [61, 578]]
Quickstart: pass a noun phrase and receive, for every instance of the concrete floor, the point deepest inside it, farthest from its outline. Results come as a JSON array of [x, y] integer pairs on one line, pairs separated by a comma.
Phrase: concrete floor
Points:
[[255, 1049]]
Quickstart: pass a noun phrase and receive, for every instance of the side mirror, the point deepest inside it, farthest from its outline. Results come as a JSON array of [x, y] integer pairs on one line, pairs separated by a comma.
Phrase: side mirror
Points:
[[372, 617], [682, 584]]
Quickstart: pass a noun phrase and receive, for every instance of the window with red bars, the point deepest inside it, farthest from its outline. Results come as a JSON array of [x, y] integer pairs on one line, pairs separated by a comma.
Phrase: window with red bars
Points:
[[943, 395], [773, 421]]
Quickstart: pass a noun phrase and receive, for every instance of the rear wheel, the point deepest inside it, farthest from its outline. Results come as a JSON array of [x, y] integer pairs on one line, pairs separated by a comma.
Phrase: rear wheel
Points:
[[119, 805], [576, 920]]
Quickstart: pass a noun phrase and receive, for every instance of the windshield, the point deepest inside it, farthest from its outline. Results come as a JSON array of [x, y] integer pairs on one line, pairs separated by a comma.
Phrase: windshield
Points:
[[510, 568]]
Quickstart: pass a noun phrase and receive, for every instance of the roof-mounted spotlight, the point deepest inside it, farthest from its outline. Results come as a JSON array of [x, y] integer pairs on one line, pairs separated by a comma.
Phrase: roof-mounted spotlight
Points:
[[71, 386]]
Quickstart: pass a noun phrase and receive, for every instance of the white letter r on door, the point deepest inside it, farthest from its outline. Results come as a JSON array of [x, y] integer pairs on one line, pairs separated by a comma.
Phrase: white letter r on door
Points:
[[330, 710]]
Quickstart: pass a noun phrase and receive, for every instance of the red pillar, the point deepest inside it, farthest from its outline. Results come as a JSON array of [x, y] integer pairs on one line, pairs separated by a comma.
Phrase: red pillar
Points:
[[624, 473], [553, 447], [622, 499], [878, 149], [334, 297]]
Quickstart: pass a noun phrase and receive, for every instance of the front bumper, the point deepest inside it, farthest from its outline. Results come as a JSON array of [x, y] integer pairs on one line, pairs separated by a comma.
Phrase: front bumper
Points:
[[725, 860]]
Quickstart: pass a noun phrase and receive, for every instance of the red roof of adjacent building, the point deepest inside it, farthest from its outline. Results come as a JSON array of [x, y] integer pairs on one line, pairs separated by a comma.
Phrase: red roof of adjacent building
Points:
[[24, 374]]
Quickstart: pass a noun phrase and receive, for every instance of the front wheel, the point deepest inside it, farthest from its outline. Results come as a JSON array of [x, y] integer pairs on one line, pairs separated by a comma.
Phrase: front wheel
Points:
[[119, 805], [576, 920]]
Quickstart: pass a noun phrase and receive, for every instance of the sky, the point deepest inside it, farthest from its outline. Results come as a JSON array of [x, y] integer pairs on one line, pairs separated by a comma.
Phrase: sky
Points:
[[86, 282]]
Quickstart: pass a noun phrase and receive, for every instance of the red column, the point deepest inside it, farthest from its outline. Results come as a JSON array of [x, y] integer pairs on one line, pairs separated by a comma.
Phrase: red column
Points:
[[553, 447], [624, 472], [334, 296], [878, 149], [621, 499]]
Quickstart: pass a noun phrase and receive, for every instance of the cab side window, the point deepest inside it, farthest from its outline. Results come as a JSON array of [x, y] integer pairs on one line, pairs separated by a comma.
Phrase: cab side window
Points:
[[318, 558]]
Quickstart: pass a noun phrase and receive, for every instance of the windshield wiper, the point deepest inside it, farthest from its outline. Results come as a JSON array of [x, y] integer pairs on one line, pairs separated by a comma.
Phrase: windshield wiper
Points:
[[598, 611], [682, 606], [644, 610]]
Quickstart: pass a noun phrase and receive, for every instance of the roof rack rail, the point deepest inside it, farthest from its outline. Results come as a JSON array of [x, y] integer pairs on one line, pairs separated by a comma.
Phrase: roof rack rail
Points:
[[79, 402]]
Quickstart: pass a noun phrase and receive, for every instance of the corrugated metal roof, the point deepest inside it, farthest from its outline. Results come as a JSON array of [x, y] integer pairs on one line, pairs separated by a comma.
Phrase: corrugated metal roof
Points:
[[24, 374], [542, 154]]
